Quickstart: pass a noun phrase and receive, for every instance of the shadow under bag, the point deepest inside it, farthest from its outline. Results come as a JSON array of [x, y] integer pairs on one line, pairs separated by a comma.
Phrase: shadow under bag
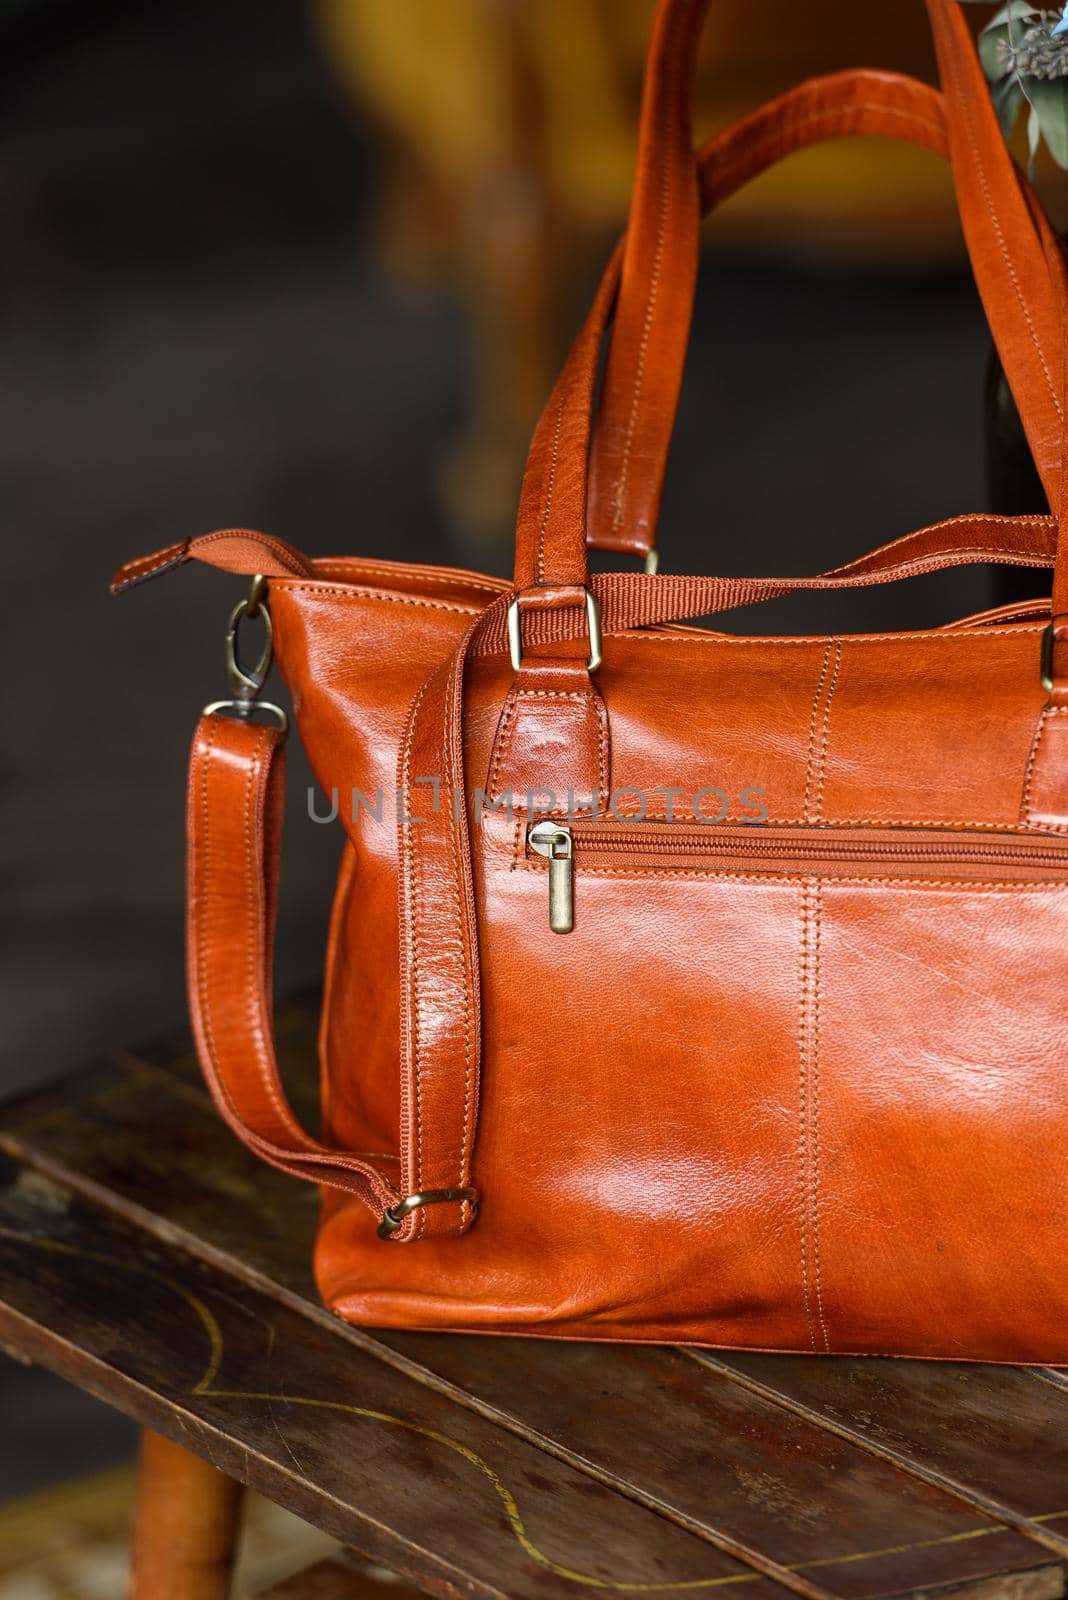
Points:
[[696, 987]]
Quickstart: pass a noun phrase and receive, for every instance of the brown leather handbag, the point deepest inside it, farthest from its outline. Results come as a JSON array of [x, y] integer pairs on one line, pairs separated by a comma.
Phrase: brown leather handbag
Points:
[[680, 985]]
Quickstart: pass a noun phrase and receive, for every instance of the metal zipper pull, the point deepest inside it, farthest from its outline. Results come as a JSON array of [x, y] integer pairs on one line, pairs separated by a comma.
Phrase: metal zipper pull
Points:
[[548, 839]]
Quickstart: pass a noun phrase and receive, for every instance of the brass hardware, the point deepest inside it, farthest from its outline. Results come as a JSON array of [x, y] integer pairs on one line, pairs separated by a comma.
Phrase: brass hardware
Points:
[[652, 562], [246, 683], [393, 1216], [248, 711], [257, 591], [1048, 642], [553, 842], [593, 623]]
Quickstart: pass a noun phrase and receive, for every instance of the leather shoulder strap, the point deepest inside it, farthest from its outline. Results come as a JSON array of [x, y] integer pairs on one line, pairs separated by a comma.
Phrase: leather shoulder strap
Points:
[[234, 833]]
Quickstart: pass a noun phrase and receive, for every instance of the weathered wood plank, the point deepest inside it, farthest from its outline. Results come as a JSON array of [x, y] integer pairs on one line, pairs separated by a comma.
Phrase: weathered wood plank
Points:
[[301, 1413], [1000, 1433], [717, 1456]]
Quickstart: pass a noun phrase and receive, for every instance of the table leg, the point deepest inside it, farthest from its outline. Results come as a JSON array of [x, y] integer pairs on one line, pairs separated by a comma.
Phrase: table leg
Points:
[[185, 1525]]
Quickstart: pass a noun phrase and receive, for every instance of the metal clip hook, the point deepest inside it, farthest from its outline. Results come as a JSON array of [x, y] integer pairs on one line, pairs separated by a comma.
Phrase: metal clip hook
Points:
[[246, 683]]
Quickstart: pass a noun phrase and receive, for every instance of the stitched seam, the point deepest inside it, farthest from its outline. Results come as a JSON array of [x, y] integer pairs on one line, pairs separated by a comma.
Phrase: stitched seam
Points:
[[1026, 818], [928, 824], [963, 101], [283, 551], [643, 348], [817, 697], [910, 565], [802, 1092], [966, 885], [552, 694], [815, 1067], [144, 566], [601, 713], [502, 743], [255, 923], [448, 733], [204, 943], [549, 490], [825, 739], [348, 595], [701, 638], [461, 580], [413, 965]]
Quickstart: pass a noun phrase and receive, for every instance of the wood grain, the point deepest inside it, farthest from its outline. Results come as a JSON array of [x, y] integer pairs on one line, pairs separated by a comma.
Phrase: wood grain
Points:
[[855, 1479]]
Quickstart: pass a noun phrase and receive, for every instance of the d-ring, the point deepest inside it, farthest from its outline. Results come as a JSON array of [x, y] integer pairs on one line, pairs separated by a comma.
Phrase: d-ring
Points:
[[393, 1216], [248, 711]]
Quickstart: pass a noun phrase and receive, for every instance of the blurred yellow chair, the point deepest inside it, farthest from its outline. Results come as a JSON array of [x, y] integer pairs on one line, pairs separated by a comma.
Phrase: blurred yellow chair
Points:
[[510, 129]]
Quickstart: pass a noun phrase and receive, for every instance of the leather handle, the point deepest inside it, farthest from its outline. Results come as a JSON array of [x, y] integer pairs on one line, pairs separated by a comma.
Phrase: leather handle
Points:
[[1023, 292], [658, 274], [236, 776]]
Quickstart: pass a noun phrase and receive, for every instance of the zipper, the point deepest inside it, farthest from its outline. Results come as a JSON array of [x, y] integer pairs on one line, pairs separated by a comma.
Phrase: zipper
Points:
[[555, 843], [767, 848]]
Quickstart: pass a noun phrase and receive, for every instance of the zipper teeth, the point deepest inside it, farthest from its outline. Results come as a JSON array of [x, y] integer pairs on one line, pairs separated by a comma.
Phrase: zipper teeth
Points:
[[818, 849]]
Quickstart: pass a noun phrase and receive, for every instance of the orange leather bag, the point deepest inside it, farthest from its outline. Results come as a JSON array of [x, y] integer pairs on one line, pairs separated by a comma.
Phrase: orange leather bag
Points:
[[753, 1032]]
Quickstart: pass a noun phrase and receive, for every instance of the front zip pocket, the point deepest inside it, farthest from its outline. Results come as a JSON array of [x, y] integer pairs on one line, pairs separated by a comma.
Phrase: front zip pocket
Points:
[[777, 849]]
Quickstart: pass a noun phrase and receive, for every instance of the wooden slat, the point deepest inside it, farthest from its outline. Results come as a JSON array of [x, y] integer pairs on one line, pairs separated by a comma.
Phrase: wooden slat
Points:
[[998, 1433], [712, 1450], [374, 1458]]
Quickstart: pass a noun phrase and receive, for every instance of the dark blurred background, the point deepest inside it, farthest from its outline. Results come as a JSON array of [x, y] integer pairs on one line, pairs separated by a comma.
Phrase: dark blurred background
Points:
[[311, 268]]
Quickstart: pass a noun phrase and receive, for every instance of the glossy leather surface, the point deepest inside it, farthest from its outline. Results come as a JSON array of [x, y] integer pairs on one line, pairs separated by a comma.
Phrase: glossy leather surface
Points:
[[805, 1094]]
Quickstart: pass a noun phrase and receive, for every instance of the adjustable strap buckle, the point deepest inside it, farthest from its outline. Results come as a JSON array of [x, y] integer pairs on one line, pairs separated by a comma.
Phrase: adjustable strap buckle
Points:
[[593, 624], [393, 1216]]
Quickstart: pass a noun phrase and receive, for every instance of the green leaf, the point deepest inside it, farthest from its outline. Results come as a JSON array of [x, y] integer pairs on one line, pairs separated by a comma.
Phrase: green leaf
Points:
[[989, 43], [1007, 96], [1010, 13], [1049, 100]]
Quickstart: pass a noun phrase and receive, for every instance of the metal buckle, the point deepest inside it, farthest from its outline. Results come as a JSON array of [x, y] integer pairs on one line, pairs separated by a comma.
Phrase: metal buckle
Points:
[[652, 562], [393, 1216], [593, 623], [245, 684], [1049, 640]]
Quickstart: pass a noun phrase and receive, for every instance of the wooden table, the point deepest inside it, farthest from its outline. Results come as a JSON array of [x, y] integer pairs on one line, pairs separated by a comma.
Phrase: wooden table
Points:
[[148, 1259]]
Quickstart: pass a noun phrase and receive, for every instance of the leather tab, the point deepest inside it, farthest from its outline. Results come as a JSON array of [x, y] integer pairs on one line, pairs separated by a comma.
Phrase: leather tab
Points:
[[133, 573], [1045, 801], [240, 550], [551, 750]]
